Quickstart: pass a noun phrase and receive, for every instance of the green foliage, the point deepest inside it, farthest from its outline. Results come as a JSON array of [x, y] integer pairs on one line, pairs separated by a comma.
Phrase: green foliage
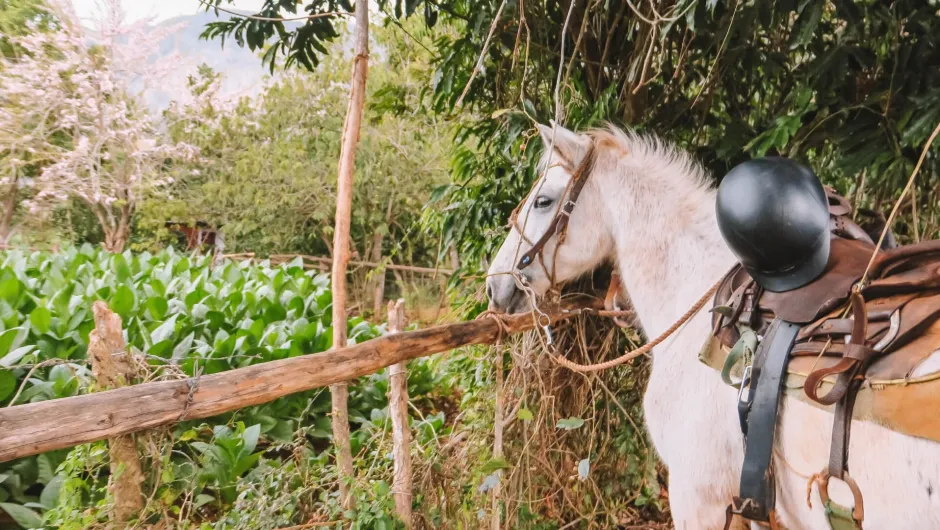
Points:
[[18, 16], [227, 457], [267, 175], [188, 316], [301, 43], [848, 86]]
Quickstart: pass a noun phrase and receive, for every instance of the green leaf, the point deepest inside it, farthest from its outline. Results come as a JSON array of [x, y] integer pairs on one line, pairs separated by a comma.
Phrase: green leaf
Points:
[[23, 516], [9, 360], [161, 349], [46, 468], [525, 414], [494, 465], [181, 350], [41, 318], [7, 384], [12, 338], [122, 302], [723, 310], [164, 331], [806, 24], [157, 307], [11, 289], [50, 494], [570, 423], [250, 436], [120, 267], [382, 488], [181, 266], [60, 372], [203, 499], [246, 463]]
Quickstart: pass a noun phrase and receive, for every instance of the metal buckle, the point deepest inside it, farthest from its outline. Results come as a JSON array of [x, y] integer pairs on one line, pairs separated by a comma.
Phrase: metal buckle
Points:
[[546, 323]]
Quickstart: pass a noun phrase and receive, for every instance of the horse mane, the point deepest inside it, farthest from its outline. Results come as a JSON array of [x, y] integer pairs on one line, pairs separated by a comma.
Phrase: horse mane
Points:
[[650, 153]]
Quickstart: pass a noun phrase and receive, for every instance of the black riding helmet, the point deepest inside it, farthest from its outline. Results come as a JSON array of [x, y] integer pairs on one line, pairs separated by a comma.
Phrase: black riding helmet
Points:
[[774, 215]]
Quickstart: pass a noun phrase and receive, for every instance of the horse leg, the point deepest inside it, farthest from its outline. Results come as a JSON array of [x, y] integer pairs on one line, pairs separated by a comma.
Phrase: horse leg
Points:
[[694, 429]]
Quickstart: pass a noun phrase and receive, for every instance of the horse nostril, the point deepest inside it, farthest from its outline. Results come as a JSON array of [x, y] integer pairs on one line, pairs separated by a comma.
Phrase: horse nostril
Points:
[[489, 291]]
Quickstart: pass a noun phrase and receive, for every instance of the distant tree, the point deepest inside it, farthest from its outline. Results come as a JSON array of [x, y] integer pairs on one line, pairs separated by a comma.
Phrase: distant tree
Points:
[[268, 170], [65, 108]]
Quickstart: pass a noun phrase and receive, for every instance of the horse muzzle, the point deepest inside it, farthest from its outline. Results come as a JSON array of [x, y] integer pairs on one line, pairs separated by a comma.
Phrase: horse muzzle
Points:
[[505, 296]]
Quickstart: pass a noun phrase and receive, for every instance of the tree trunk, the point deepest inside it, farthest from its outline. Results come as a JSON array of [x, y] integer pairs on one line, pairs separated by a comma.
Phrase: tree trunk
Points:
[[377, 241], [9, 209], [401, 433], [347, 160], [454, 258], [113, 368], [379, 291]]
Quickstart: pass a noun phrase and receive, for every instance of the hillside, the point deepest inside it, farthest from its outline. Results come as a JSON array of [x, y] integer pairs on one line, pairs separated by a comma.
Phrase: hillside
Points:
[[241, 68]]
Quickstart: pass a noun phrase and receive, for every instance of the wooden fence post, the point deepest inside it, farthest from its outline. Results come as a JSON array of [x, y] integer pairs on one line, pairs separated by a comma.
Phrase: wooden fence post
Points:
[[398, 409], [113, 367]]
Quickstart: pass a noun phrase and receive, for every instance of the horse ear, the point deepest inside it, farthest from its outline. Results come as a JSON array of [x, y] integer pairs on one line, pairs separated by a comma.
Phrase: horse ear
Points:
[[569, 145]]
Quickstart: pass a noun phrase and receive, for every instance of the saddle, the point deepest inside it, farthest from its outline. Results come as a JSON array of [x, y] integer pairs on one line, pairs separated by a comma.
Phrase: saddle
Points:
[[858, 349]]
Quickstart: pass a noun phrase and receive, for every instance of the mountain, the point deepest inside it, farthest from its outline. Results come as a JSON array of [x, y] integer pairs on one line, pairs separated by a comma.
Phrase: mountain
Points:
[[241, 68]]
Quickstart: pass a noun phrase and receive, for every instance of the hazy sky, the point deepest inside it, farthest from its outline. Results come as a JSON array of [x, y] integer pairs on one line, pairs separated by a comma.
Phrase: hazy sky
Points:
[[161, 9]]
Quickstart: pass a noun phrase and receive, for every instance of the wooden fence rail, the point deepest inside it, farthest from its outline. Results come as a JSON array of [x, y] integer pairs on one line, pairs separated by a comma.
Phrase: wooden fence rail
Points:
[[323, 263], [57, 424]]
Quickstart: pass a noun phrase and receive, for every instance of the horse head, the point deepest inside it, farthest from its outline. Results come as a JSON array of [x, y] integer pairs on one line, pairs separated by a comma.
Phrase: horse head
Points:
[[559, 231]]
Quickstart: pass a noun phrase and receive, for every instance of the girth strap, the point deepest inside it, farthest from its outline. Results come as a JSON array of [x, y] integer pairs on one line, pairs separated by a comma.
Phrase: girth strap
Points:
[[757, 495]]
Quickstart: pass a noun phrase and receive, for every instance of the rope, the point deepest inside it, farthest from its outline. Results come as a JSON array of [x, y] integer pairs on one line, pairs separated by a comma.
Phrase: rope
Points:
[[642, 350], [897, 205]]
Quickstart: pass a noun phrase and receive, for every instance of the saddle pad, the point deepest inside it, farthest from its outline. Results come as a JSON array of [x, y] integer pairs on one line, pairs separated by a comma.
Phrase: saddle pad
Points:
[[903, 397]]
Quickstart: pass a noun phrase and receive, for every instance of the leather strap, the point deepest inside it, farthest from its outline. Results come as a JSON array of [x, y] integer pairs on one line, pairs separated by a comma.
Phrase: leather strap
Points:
[[559, 223], [841, 429], [855, 357], [757, 496]]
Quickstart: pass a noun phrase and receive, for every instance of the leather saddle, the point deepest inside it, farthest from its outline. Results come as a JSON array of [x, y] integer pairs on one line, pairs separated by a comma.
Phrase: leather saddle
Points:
[[861, 350], [898, 313]]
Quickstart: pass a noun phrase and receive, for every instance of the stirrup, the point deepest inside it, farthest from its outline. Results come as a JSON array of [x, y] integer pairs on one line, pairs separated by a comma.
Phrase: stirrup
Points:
[[857, 513]]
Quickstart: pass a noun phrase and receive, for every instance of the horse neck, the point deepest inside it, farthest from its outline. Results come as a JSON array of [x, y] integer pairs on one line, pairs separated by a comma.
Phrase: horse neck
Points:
[[668, 246]]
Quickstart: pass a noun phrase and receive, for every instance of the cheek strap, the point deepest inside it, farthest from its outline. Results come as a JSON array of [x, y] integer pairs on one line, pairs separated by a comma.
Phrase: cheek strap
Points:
[[559, 224]]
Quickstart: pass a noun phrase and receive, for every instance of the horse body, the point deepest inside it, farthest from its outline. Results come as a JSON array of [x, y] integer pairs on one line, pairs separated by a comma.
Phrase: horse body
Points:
[[648, 207]]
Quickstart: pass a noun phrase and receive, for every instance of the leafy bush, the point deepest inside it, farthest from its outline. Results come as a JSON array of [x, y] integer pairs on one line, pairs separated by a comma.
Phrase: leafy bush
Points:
[[186, 316]]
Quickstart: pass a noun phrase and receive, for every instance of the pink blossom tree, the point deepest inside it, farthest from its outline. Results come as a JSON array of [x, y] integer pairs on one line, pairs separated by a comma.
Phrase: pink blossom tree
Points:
[[67, 106]]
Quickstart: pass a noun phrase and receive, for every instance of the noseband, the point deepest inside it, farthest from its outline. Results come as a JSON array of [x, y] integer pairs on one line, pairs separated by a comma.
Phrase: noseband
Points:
[[559, 224]]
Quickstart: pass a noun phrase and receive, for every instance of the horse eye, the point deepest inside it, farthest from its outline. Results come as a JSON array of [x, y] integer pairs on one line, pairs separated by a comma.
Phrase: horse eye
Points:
[[543, 202]]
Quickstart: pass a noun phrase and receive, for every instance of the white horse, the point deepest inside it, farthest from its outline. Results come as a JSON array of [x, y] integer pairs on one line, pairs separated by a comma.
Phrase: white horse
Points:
[[649, 209]]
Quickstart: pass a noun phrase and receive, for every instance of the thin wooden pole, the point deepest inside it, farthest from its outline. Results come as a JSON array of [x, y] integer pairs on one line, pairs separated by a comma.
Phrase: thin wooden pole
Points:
[[401, 433], [113, 368], [347, 161], [61, 423], [496, 520]]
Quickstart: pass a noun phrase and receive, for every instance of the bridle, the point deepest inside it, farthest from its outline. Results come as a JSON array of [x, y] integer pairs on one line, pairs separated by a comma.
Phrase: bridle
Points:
[[559, 223]]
